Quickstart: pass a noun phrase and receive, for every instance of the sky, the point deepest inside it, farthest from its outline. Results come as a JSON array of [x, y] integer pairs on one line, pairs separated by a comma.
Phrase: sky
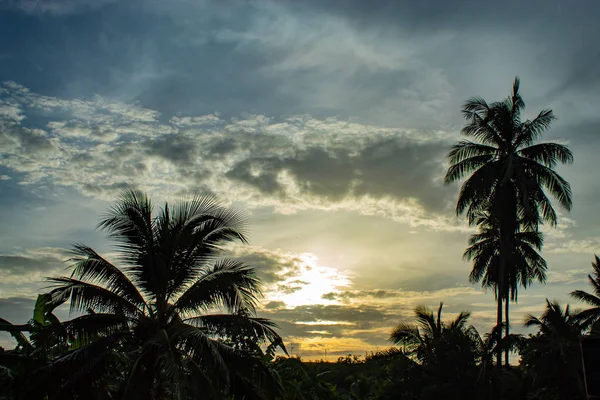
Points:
[[327, 123]]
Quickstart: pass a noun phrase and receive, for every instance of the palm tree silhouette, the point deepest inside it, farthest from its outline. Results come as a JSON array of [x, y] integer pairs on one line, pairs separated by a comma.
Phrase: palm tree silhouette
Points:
[[508, 175], [168, 312], [526, 264], [421, 339], [553, 355], [446, 350], [590, 317]]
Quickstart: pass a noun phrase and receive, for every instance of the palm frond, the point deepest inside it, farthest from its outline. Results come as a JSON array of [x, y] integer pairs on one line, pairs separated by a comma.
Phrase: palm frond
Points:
[[91, 267], [427, 322], [554, 183], [200, 227], [405, 333], [585, 297], [531, 130], [476, 190], [461, 169], [228, 283], [547, 154], [85, 296], [517, 103], [210, 353], [475, 105], [129, 222], [88, 328], [465, 150], [532, 321], [460, 321], [259, 330], [481, 129]]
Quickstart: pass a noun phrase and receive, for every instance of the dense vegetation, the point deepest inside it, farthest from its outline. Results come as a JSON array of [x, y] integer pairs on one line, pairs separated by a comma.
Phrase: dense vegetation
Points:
[[177, 320]]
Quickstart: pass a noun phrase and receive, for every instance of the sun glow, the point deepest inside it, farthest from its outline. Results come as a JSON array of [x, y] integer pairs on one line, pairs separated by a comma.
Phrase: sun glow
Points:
[[308, 283]]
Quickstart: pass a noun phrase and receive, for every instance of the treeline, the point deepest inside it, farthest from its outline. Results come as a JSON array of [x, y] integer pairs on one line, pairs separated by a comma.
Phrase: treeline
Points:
[[437, 359]]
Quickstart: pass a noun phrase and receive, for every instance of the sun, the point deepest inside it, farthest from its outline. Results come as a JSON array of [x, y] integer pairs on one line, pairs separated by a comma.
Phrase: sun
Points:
[[309, 282]]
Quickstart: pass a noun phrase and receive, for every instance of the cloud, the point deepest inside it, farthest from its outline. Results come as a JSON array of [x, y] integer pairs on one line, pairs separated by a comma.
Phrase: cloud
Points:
[[33, 260], [100, 146], [24, 272], [330, 63], [568, 276], [590, 245], [272, 266], [404, 297]]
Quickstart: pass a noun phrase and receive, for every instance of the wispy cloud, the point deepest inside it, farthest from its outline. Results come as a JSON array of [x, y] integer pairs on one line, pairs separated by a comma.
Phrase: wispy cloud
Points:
[[589, 245]]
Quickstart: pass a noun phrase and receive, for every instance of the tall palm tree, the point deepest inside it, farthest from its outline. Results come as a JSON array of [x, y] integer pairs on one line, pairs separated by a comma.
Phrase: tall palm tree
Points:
[[590, 318], [168, 312], [526, 264], [508, 175], [553, 355]]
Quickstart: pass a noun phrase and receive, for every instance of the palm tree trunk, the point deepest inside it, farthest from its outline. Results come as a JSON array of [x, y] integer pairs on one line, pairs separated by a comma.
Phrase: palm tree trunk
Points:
[[498, 393], [507, 325], [499, 332], [505, 232]]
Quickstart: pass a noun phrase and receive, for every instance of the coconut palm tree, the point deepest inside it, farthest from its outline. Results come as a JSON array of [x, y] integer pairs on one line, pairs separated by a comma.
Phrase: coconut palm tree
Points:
[[526, 265], [168, 314], [553, 354], [422, 338], [445, 350], [507, 174], [590, 317]]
